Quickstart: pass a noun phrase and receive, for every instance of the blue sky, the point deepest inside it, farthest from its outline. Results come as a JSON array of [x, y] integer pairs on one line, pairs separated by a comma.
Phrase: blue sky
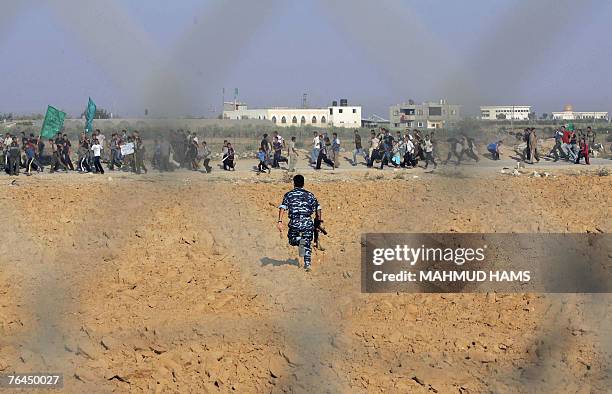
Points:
[[544, 53]]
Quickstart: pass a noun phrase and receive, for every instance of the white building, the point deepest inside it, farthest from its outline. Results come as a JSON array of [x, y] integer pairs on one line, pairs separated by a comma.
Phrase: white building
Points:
[[342, 115], [569, 114], [505, 112]]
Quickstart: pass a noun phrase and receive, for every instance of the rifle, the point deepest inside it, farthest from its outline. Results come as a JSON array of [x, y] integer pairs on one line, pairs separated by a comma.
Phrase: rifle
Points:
[[318, 228]]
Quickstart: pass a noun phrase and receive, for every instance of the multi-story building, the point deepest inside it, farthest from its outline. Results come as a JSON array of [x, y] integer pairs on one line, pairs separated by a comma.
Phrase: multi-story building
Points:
[[431, 115], [374, 121], [569, 114], [342, 115], [505, 112]]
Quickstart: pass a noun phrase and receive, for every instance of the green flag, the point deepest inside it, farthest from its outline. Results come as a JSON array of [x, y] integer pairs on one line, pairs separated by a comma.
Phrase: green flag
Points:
[[90, 114], [54, 122]]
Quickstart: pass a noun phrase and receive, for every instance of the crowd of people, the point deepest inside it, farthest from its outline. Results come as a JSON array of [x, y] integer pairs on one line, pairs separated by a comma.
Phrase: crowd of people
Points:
[[573, 145], [122, 151], [385, 149], [182, 149], [185, 150], [270, 153], [33, 153], [569, 145]]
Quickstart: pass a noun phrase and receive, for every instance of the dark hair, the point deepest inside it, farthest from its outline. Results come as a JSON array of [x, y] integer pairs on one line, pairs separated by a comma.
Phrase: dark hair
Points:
[[298, 181]]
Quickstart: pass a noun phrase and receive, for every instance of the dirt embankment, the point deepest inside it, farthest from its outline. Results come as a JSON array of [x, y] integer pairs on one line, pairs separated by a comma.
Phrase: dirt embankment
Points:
[[180, 283]]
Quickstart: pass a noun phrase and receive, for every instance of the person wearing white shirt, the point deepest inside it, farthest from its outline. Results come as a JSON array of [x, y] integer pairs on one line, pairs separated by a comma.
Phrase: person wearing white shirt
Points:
[[409, 153], [8, 140], [96, 148], [102, 139], [428, 147], [280, 139], [315, 148]]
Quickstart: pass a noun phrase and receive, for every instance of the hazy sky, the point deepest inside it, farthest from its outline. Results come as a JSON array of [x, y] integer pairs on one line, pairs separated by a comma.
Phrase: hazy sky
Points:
[[177, 56]]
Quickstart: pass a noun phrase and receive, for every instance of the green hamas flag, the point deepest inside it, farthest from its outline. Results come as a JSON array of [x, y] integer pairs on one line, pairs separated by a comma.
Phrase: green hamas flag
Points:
[[54, 122], [90, 114]]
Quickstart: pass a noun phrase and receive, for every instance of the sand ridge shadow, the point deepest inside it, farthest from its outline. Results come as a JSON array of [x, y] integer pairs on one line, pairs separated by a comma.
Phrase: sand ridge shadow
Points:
[[277, 263]]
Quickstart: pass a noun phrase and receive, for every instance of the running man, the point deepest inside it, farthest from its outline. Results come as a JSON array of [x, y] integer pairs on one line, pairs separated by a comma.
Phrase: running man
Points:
[[358, 149], [301, 204], [428, 148]]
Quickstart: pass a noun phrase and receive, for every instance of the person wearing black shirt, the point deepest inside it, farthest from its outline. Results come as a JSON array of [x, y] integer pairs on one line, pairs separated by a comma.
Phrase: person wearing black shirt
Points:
[[41, 148], [228, 159], [265, 146], [66, 146], [358, 149], [387, 149], [14, 156]]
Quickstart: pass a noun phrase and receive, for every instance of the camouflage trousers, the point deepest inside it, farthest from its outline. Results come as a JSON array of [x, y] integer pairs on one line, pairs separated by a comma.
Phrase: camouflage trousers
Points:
[[302, 231]]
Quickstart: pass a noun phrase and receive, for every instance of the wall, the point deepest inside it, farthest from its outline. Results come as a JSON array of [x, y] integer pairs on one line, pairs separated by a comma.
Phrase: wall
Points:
[[307, 113]]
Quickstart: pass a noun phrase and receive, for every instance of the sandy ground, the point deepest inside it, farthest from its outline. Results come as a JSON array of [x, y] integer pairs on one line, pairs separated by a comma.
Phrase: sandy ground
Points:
[[180, 282]]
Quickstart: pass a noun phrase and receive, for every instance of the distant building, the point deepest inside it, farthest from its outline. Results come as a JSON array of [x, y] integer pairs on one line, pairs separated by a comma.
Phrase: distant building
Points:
[[569, 114], [374, 121], [342, 115], [505, 112], [430, 115]]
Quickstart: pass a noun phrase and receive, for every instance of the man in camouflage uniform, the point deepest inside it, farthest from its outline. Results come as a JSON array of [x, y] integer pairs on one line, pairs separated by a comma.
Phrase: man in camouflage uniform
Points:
[[115, 152], [139, 153], [301, 204], [56, 158]]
